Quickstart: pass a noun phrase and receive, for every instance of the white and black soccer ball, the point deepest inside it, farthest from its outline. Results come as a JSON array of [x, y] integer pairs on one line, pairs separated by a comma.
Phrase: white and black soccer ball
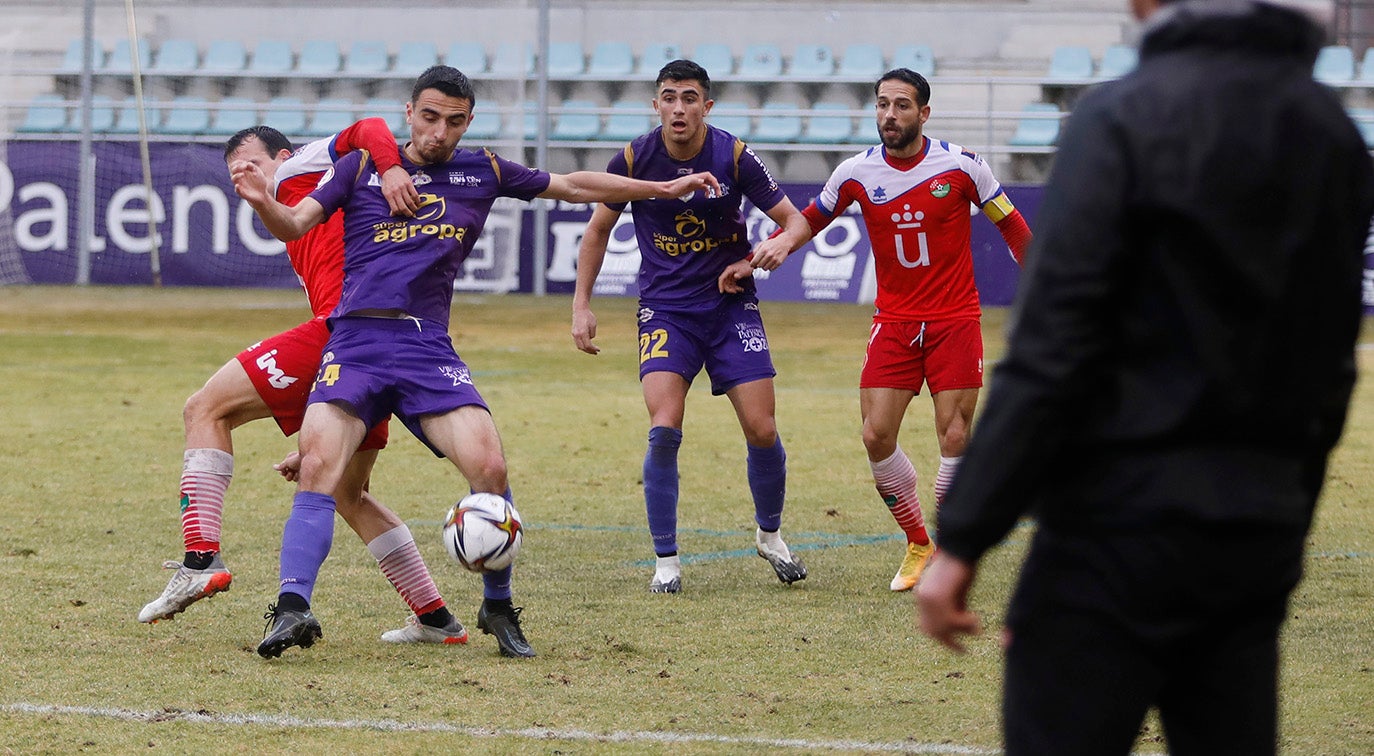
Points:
[[483, 532]]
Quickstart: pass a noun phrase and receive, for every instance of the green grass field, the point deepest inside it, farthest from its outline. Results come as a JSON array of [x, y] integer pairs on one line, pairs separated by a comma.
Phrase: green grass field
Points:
[[93, 384]]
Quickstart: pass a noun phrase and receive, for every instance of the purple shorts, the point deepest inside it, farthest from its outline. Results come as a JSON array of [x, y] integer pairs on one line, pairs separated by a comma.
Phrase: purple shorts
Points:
[[729, 341], [378, 367]]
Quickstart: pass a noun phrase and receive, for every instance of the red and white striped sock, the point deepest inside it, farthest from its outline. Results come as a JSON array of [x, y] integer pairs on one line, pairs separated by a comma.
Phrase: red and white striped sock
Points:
[[205, 476], [895, 479], [943, 478], [401, 563]]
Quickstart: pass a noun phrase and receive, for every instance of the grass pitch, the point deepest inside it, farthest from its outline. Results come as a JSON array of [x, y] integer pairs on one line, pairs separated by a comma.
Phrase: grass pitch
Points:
[[93, 383]]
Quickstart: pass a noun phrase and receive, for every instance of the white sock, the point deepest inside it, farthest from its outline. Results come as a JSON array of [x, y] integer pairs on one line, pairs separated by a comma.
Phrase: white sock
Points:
[[667, 568], [772, 541]]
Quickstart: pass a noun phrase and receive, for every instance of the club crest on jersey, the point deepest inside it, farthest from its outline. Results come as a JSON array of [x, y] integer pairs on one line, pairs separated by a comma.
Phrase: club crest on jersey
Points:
[[879, 193], [420, 179], [645, 314], [939, 188]]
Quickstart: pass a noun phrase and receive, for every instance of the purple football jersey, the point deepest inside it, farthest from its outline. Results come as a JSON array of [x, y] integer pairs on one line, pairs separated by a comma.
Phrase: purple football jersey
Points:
[[398, 263], [685, 243]]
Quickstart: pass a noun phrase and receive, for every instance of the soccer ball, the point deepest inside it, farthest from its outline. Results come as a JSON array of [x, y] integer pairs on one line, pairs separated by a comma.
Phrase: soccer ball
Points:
[[483, 532]]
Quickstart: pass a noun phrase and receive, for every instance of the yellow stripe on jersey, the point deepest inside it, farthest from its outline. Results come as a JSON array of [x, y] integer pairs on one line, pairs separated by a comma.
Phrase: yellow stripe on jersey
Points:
[[739, 150], [495, 166], [998, 207], [362, 164], [629, 161]]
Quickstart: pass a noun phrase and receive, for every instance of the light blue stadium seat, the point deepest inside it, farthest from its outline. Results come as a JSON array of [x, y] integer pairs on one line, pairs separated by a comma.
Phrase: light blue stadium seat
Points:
[[726, 115], [468, 57], [367, 57], [330, 116], [576, 126], [226, 56], [611, 59], [1364, 121], [102, 115], [716, 58], [391, 111], [823, 128], [760, 61], [176, 57], [657, 55], [271, 57], [1367, 67], [126, 117], [71, 61], [630, 119], [513, 59], [319, 56], [412, 58], [862, 61], [812, 62], [566, 60], [1039, 126], [777, 126], [486, 123], [233, 114], [919, 58], [287, 115], [121, 61], [1070, 62], [186, 115], [47, 114], [529, 120], [1117, 61], [1335, 65]]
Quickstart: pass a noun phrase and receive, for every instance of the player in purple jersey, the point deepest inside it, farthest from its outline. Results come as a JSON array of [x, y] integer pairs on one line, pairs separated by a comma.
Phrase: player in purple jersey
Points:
[[389, 351], [697, 306]]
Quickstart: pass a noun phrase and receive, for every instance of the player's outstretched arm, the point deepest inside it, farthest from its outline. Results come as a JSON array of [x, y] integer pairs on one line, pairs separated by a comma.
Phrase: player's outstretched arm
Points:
[[793, 231], [285, 223], [942, 601], [591, 253], [593, 186]]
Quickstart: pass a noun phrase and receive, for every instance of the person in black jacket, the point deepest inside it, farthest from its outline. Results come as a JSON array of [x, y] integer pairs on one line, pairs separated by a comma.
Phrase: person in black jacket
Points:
[[1180, 363]]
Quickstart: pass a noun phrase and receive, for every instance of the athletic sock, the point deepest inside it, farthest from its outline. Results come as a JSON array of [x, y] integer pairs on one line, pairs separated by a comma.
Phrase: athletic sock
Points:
[[660, 487], [767, 471], [292, 602], [401, 563], [198, 560], [439, 618], [305, 542], [205, 476], [943, 478], [496, 585], [895, 480]]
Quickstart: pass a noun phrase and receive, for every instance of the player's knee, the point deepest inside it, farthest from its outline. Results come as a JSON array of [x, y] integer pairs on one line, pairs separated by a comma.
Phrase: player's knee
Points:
[[878, 439], [490, 473]]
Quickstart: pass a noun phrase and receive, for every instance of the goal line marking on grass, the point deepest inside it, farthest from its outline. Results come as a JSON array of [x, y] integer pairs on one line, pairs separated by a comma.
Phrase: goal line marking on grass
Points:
[[533, 733]]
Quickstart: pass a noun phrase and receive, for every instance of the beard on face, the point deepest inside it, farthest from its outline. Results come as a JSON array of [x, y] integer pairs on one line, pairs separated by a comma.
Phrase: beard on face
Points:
[[902, 139]]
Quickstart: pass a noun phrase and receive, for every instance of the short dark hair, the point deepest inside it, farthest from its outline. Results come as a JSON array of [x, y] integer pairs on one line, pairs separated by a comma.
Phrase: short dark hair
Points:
[[446, 79], [274, 141], [684, 70], [910, 77]]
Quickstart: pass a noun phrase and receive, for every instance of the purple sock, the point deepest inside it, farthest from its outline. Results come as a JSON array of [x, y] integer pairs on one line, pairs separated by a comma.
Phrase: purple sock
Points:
[[768, 483], [496, 585], [660, 488], [305, 542]]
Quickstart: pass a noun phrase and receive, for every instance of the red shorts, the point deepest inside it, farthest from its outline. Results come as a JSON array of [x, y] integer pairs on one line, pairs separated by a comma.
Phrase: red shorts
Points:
[[283, 368], [943, 354]]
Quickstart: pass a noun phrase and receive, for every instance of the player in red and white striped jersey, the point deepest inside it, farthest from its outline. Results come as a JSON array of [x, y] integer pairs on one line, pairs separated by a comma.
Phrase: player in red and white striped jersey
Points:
[[916, 194]]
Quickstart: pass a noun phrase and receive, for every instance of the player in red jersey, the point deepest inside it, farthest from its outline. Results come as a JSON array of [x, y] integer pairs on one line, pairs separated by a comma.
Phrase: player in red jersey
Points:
[[272, 379], [915, 194]]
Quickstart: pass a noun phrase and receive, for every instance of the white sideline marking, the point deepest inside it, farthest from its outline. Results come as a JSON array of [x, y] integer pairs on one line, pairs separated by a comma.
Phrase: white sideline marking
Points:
[[534, 733]]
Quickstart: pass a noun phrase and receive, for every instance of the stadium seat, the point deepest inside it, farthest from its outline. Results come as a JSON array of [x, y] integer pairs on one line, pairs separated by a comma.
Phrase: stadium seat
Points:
[[822, 128], [71, 61], [1364, 121], [919, 58], [319, 56], [176, 57], [393, 113], [611, 59], [812, 62], [271, 57], [1038, 127], [47, 114], [566, 60], [287, 115], [412, 58], [630, 119], [1117, 61], [367, 57], [715, 58], [513, 59], [760, 61], [778, 127], [468, 57], [1335, 65], [727, 115], [121, 61], [486, 123], [529, 120], [186, 115], [126, 117], [102, 115], [862, 61], [233, 114], [226, 56], [576, 126], [1069, 63], [656, 55], [330, 116]]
